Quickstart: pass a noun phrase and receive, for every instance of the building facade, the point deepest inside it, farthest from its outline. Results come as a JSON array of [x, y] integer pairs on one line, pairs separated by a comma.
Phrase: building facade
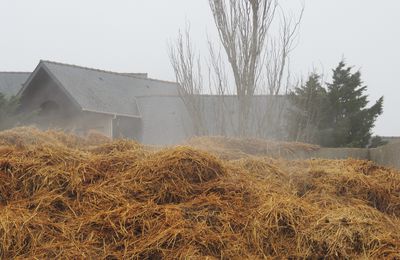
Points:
[[130, 105]]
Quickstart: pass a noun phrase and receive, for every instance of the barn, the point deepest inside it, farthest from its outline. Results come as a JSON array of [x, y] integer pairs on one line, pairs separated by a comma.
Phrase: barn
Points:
[[120, 105]]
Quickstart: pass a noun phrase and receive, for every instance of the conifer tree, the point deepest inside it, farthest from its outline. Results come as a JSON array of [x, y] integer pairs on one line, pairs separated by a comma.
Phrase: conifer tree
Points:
[[335, 116], [307, 111], [349, 122]]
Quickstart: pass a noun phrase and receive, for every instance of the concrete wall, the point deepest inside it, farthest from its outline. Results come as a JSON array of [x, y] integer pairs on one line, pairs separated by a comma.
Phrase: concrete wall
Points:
[[80, 123], [388, 155], [333, 153], [166, 119], [84, 122], [127, 127]]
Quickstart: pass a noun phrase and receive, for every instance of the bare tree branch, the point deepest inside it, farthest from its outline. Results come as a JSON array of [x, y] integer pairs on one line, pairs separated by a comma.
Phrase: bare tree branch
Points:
[[187, 68]]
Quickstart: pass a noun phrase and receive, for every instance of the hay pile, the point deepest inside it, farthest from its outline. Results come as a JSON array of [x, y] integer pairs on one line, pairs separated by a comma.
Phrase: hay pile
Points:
[[62, 199]]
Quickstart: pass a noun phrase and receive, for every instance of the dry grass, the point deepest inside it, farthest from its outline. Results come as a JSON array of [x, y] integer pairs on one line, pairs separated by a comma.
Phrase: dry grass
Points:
[[62, 196]]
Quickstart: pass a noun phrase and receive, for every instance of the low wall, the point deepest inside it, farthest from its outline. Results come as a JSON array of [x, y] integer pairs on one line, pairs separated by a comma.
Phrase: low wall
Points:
[[388, 155], [332, 153], [342, 153]]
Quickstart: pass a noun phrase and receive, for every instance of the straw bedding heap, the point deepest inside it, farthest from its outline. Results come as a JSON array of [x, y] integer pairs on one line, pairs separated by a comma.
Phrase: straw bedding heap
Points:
[[63, 196]]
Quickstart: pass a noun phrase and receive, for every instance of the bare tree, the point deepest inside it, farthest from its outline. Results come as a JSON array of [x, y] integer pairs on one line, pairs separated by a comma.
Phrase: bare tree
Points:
[[187, 68], [243, 27], [219, 86], [254, 58], [278, 78], [278, 53]]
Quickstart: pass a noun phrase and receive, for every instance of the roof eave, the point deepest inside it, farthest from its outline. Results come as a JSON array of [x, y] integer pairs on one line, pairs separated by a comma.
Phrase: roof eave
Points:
[[111, 114]]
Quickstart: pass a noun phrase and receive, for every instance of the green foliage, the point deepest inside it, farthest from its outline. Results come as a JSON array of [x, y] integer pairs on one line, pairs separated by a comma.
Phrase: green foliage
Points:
[[339, 114], [8, 112], [306, 114], [348, 119]]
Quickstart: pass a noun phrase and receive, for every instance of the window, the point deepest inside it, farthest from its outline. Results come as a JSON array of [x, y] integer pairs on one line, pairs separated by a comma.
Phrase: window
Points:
[[49, 108]]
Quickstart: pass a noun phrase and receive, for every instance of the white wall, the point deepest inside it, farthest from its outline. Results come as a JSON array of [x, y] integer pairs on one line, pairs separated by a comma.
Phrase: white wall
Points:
[[164, 119], [84, 122]]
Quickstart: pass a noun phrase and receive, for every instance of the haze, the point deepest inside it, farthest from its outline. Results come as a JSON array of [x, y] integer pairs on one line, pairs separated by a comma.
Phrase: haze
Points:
[[131, 36]]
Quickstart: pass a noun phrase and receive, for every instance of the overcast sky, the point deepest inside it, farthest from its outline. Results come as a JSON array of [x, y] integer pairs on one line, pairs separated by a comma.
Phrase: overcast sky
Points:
[[131, 36]]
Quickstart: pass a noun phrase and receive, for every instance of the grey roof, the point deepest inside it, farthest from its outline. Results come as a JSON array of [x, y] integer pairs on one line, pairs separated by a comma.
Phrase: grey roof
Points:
[[11, 82], [104, 91]]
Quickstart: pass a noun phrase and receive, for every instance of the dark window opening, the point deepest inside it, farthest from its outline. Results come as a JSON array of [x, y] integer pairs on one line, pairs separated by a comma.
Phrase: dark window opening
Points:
[[49, 108]]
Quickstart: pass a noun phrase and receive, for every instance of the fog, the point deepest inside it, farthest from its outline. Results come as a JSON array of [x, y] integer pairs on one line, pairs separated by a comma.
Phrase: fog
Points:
[[131, 36]]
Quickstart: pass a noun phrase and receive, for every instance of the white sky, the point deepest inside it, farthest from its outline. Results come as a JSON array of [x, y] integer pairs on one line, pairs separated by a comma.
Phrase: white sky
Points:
[[131, 36]]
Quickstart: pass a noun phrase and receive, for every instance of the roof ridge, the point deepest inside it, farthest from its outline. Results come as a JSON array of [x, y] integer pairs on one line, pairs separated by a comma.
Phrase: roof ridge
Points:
[[83, 67], [16, 72], [105, 71]]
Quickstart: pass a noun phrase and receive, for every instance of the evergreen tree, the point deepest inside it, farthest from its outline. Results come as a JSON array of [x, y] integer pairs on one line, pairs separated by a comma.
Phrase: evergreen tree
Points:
[[349, 121], [307, 111]]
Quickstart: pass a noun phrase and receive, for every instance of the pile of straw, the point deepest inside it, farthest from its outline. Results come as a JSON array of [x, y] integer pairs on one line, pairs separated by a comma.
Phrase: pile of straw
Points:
[[62, 199]]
